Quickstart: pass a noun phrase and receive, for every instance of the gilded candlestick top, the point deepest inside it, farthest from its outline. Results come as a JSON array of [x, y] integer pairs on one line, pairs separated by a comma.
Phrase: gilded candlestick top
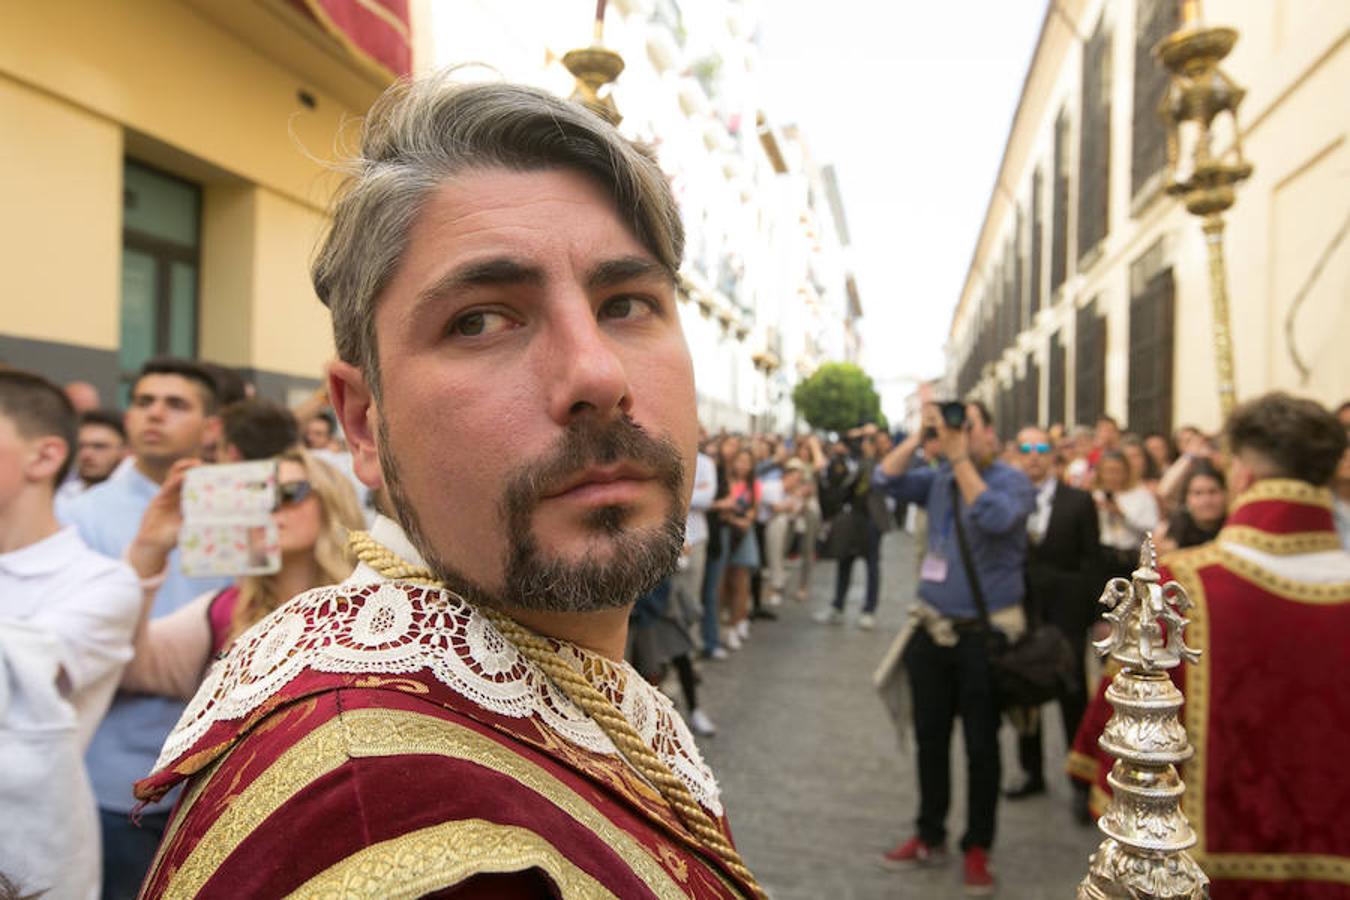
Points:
[[1146, 618]]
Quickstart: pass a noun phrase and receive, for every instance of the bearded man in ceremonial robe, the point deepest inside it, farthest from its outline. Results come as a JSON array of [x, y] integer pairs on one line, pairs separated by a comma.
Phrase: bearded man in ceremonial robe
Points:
[[456, 719], [1267, 706]]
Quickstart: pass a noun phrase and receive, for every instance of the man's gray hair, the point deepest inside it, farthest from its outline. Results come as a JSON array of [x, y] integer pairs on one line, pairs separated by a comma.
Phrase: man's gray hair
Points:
[[420, 133]]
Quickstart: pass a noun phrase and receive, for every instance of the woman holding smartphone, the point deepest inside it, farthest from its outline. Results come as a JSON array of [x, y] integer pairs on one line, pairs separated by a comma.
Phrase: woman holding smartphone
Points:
[[316, 510], [1126, 511]]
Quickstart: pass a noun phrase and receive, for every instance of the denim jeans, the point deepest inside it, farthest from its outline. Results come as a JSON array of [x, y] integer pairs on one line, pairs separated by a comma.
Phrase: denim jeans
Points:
[[128, 851], [712, 588], [948, 682]]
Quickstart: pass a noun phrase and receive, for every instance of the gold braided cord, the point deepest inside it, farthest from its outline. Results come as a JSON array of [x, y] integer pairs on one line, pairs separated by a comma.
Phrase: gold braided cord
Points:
[[539, 651]]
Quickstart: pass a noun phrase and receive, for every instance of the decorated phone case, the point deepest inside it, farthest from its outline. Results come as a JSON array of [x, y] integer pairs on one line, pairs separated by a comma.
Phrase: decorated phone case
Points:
[[227, 520]]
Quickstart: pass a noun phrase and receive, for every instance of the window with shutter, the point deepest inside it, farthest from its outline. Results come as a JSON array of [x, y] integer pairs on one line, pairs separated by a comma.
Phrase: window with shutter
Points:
[[1029, 409], [1151, 339], [1089, 365], [1022, 319], [1154, 20], [1004, 414], [1059, 205], [1034, 287], [1055, 404], [1094, 142]]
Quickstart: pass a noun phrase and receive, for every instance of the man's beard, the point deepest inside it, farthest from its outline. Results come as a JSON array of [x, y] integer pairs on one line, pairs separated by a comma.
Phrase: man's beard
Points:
[[638, 559]]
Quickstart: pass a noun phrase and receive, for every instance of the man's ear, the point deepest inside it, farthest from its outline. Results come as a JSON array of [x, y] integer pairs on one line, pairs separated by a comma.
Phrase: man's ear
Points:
[[213, 432], [356, 411], [47, 455]]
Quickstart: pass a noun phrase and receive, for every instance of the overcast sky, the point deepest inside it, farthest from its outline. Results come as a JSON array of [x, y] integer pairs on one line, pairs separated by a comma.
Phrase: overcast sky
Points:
[[912, 101]]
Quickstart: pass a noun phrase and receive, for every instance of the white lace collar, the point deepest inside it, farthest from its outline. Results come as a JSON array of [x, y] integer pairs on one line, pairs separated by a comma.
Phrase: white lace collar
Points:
[[399, 628]]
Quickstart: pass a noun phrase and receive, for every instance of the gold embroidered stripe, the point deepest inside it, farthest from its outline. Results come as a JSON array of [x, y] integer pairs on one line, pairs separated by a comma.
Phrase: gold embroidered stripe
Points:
[[1280, 544], [190, 796], [384, 732], [443, 855], [1080, 765], [1196, 710], [1288, 489], [1276, 867], [1317, 594]]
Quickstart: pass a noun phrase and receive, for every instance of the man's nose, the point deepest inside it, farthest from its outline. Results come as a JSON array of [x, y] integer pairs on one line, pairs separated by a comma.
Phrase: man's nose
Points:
[[586, 375]]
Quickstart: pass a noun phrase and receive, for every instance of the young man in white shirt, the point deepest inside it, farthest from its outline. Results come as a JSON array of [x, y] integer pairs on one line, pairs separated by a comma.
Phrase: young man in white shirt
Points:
[[67, 619]]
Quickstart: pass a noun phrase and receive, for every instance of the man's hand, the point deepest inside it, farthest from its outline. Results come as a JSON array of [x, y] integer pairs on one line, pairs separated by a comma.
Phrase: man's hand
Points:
[[955, 443], [160, 523]]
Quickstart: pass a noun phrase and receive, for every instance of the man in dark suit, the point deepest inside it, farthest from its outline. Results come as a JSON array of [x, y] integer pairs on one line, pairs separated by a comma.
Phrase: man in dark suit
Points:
[[1061, 570]]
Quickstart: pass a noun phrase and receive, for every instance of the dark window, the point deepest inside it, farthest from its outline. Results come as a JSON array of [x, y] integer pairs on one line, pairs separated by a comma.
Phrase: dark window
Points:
[[1089, 377], [1004, 414], [1002, 293], [1028, 410], [1035, 262], [1059, 208], [1152, 304], [161, 218], [996, 311], [1010, 292], [1055, 405], [1154, 20], [1094, 156], [1019, 270]]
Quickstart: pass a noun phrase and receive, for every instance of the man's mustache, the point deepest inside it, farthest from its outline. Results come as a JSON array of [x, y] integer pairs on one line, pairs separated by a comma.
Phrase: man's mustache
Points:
[[588, 444]]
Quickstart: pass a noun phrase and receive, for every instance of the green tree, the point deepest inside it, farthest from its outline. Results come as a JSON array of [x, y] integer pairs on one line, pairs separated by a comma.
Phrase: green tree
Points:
[[837, 397]]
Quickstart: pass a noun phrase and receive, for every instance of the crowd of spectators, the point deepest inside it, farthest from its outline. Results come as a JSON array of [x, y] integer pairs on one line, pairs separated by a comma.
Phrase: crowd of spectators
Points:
[[103, 636]]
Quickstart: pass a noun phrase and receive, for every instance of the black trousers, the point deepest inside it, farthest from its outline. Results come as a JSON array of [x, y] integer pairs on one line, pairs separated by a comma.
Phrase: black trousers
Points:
[[948, 682], [1072, 612]]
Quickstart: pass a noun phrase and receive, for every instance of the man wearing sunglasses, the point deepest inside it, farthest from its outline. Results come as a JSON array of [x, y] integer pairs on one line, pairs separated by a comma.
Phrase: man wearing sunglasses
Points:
[[1061, 584]]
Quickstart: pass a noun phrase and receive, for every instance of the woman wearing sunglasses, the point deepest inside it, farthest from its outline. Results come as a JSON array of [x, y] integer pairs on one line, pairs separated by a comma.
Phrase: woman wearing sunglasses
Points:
[[317, 508]]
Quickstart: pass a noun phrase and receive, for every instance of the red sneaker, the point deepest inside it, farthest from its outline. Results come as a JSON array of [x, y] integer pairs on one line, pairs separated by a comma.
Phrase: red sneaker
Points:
[[978, 881], [913, 854]]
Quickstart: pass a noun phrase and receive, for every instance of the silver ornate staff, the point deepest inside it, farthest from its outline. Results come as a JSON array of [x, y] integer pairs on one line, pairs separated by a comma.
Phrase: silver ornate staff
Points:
[[1147, 835]]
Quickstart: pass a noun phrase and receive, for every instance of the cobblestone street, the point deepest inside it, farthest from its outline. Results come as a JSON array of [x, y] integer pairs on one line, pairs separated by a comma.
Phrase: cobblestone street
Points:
[[815, 783]]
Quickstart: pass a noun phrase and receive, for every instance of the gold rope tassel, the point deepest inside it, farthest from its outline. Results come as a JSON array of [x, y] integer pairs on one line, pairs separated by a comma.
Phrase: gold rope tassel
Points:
[[581, 692]]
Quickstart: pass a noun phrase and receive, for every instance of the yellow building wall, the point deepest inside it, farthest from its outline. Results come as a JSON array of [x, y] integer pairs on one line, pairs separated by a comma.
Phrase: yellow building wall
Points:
[[161, 68], [292, 331], [85, 84], [61, 223], [228, 289]]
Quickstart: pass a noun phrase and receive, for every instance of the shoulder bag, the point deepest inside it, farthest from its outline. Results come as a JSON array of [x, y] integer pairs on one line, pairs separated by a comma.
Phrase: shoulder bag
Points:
[[1035, 668]]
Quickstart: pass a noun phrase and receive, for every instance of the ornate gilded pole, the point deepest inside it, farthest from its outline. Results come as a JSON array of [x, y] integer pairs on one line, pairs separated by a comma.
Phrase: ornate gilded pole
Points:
[[1144, 855], [594, 67], [1199, 92]]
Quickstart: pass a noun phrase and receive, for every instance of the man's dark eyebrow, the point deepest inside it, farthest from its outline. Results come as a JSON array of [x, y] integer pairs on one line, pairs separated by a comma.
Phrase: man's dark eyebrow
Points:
[[485, 273], [616, 271]]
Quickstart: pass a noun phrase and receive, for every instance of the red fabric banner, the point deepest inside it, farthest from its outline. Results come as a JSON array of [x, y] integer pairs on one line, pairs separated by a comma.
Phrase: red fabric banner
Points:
[[377, 32]]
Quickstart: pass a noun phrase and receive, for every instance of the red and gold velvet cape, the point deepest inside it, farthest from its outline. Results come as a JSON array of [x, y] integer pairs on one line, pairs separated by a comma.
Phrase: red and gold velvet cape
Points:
[[371, 784], [1268, 705]]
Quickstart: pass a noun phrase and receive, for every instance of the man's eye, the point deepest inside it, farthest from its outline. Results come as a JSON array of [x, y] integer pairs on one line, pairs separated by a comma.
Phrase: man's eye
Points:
[[475, 324], [627, 307]]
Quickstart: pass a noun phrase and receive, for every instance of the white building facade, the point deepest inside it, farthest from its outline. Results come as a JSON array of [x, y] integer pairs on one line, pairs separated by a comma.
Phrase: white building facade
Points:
[[1089, 288], [766, 292]]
